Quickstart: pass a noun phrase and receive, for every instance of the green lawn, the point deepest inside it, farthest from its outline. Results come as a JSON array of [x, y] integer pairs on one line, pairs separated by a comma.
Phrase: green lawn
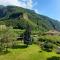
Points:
[[30, 53]]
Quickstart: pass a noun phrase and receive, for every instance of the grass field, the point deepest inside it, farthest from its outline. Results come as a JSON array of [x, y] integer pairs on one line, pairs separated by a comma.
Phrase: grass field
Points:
[[30, 53]]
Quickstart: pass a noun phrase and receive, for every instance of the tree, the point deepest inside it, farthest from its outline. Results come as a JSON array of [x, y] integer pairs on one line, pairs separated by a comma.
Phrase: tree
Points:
[[7, 38], [47, 46], [27, 35]]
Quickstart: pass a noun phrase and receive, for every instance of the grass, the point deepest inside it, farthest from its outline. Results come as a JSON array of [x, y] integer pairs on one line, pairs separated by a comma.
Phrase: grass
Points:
[[33, 52], [51, 37]]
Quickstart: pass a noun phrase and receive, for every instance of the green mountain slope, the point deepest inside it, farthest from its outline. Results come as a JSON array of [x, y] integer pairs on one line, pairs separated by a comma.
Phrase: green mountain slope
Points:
[[18, 17]]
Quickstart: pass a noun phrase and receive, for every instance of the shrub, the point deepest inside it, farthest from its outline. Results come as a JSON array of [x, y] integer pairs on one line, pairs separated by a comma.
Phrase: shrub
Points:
[[54, 58], [47, 46], [7, 39]]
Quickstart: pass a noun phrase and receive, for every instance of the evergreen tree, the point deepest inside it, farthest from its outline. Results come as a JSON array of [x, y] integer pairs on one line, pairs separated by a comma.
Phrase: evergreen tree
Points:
[[27, 35]]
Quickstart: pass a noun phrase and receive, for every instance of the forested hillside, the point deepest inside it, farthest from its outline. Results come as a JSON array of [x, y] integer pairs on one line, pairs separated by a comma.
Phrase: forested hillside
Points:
[[18, 17]]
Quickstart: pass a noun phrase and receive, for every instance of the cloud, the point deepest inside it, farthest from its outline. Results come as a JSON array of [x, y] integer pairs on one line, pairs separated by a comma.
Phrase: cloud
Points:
[[9, 2], [22, 3], [29, 4], [36, 11]]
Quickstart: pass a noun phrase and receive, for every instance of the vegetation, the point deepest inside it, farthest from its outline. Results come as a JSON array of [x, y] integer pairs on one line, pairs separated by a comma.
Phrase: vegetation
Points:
[[18, 18], [7, 38], [20, 27], [30, 53], [49, 38], [46, 46], [27, 36]]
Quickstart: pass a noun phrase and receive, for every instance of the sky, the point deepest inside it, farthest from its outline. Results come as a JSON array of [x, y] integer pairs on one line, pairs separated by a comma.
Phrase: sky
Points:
[[50, 8]]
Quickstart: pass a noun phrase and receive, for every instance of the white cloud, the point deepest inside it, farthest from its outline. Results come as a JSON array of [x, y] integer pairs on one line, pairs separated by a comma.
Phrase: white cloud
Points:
[[9, 2], [29, 4], [22, 3], [36, 11]]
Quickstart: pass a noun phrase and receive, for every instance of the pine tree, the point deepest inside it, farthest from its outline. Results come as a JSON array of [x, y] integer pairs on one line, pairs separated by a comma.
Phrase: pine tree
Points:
[[27, 35]]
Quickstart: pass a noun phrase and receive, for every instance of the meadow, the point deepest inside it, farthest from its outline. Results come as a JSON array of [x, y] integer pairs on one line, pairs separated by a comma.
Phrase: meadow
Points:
[[19, 51], [33, 52]]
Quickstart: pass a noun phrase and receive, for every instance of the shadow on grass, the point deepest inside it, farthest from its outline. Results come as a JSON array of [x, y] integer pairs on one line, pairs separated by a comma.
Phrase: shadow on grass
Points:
[[54, 58], [19, 47], [39, 51], [4, 52], [46, 49]]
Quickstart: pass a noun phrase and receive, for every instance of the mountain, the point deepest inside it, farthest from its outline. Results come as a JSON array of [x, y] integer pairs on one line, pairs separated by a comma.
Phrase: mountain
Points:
[[18, 17]]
